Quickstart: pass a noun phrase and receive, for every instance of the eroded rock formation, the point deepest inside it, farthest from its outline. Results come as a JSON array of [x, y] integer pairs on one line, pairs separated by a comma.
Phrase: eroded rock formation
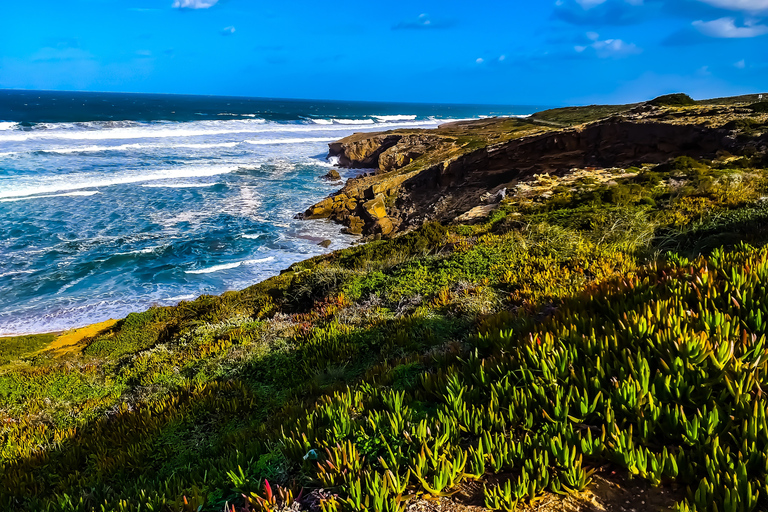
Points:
[[412, 184]]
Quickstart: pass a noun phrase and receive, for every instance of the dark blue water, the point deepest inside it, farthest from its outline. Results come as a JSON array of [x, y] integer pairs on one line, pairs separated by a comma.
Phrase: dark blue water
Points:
[[110, 203]]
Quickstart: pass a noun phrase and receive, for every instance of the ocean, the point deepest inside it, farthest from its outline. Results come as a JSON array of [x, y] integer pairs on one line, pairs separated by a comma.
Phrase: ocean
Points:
[[111, 203]]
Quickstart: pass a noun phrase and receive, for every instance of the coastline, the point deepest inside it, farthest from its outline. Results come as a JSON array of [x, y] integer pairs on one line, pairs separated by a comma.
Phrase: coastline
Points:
[[393, 165], [454, 333]]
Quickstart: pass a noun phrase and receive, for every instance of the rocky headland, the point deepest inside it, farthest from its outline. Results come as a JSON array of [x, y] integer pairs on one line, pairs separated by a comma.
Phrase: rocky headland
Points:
[[461, 169]]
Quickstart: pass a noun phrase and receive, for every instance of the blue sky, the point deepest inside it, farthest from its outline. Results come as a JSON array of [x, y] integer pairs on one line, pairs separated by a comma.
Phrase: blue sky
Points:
[[524, 52]]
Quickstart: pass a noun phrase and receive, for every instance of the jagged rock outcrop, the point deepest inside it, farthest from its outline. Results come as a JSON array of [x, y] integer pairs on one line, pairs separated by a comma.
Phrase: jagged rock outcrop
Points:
[[383, 152], [411, 186]]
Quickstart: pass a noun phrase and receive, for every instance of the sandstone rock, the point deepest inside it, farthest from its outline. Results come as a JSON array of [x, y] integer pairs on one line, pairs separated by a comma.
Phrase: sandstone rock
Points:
[[376, 208], [407, 149], [477, 213], [355, 226], [453, 179], [325, 244], [333, 175], [384, 226], [321, 209], [363, 153]]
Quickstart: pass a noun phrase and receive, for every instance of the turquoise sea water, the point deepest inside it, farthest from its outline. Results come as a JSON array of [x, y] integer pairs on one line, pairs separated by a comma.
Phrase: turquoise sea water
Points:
[[110, 203]]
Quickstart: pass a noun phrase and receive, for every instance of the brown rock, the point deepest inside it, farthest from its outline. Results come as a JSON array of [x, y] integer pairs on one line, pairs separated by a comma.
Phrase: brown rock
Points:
[[356, 225], [325, 244], [333, 175], [384, 226], [321, 209], [376, 208]]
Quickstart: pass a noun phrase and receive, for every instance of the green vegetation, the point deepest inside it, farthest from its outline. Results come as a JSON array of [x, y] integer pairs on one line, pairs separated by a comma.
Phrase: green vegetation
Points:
[[673, 100], [602, 319], [17, 347], [570, 116], [732, 100], [760, 107]]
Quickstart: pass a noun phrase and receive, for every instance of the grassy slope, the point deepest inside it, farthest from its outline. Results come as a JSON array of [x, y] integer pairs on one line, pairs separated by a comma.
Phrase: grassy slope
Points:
[[551, 339]]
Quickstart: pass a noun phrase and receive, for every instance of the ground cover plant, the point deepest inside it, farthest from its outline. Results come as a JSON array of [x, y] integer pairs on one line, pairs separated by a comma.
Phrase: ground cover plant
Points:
[[602, 318]]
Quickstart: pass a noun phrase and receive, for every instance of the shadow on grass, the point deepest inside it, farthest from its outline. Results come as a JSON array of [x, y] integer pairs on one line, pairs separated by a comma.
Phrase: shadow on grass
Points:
[[183, 443]]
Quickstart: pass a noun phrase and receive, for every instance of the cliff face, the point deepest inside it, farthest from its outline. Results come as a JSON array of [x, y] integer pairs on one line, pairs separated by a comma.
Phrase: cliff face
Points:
[[412, 184]]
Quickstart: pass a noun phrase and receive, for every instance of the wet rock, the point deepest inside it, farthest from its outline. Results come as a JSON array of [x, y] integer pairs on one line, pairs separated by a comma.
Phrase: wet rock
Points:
[[333, 175], [325, 244], [321, 209]]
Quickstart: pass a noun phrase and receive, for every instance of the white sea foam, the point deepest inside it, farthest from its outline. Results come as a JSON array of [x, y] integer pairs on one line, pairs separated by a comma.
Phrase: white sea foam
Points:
[[66, 131], [147, 250], [180, 298], [354, 121], [84, 193], [127, 147], [322, 121], [16, 272], [250, 237], [395, 118], [94, 181], [70, 285], [7, 126], [260, 260], [178, 185], [266, 142], [216, 268], [228, 266]]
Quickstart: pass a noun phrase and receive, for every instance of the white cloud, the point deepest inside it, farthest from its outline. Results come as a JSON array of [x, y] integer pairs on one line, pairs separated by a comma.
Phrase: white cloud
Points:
[[741, 64], [739, 5], [227, 31], [608, 47], [194, 4], [480, 60], [614, 48], [725, 28]]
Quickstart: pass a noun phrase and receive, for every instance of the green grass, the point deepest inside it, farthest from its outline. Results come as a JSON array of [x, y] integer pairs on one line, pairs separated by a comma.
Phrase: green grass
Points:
[[570, 116], [588, 322], [15, 347]]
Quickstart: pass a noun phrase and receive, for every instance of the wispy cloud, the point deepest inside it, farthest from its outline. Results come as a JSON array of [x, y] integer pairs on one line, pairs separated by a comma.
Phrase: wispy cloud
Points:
[[739, 5], [604, 12], [194, 4], [228, 31], [423, 21], [726, 28], [608, 48]]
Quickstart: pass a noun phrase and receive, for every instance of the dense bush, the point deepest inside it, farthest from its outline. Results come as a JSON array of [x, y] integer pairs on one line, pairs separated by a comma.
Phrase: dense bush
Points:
[[673, 100]]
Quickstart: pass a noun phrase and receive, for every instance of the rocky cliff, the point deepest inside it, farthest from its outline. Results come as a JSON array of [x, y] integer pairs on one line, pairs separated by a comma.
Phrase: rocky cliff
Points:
[[441, 174]]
